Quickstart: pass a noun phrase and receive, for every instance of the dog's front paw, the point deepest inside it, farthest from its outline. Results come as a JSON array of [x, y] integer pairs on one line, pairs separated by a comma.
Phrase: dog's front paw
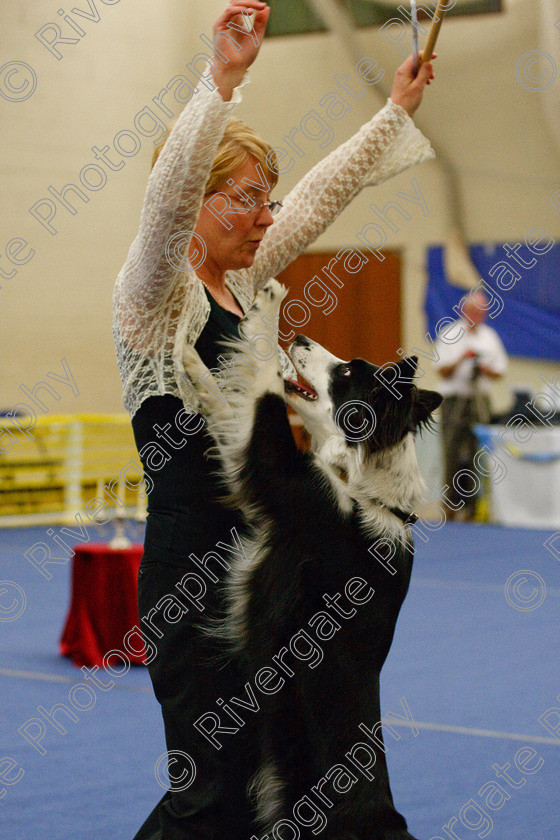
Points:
[[272, 294], [265, 311], [209, 384], [193, 365]]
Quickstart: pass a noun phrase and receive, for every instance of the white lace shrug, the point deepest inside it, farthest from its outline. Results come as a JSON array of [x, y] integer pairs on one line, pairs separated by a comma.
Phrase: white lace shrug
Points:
[[159, 306]]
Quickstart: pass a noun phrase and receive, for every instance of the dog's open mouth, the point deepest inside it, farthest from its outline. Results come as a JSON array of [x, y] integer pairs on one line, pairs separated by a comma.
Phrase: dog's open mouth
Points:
[[300, 389]]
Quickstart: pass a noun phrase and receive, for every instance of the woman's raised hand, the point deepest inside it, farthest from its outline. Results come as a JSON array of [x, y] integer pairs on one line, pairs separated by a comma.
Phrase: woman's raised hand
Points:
[[236, 46], [407, 89]]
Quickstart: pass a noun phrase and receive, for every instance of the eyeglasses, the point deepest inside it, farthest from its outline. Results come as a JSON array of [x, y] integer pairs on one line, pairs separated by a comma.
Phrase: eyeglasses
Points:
[[273, 206], [251, 205]]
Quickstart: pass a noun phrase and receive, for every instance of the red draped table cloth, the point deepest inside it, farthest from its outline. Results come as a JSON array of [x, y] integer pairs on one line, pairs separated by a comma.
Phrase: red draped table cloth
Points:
[[103, 613]]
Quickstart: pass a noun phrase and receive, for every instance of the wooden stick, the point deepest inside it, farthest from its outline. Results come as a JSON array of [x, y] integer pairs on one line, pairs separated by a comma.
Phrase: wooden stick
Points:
[[434, 32]]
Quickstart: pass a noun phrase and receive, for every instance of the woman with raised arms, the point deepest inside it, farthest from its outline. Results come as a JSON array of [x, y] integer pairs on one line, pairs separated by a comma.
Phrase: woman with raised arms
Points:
[[209, 238]]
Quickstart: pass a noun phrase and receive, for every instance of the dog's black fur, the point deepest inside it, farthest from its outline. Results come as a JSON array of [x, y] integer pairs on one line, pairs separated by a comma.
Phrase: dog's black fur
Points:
[[321, 519]]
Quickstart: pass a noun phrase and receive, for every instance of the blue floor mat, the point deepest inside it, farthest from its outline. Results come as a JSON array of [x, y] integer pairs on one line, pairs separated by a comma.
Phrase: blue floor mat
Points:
[[474, 660]]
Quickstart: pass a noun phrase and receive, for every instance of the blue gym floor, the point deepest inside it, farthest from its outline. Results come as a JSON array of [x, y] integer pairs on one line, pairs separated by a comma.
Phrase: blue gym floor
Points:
[[474, 663]]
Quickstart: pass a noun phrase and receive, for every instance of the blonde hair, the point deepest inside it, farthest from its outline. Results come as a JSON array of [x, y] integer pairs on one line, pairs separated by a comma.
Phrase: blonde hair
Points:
[[238, 143]]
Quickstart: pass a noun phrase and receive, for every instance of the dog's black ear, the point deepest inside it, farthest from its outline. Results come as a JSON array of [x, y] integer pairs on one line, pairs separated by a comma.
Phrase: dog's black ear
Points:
[[426, 403], [407, 370], [411, 363]]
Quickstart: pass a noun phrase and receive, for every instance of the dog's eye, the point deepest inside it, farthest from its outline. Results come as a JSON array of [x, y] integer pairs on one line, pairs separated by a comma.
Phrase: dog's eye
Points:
[[346, 371]]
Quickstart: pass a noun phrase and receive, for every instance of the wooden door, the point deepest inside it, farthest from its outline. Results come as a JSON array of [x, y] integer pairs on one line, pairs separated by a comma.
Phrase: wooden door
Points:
[[349, 305], [359, 318]]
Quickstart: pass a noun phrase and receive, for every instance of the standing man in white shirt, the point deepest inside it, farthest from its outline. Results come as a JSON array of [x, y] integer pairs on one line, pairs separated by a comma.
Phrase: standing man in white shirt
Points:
[[471, 356]]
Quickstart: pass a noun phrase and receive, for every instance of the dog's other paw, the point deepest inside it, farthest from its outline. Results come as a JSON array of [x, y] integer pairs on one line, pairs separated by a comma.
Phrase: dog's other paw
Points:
[[193, 365], [210, 388], [265, 311], [273, 293]]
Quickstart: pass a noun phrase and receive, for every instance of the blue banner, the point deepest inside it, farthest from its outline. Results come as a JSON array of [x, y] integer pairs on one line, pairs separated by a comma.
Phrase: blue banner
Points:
[[526, 285]]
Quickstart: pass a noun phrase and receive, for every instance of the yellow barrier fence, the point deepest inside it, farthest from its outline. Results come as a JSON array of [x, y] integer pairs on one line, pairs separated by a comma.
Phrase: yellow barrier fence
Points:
[[52, 470]]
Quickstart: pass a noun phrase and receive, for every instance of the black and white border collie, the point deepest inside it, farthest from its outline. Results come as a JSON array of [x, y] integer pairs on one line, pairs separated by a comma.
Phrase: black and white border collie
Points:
[[315, 518]]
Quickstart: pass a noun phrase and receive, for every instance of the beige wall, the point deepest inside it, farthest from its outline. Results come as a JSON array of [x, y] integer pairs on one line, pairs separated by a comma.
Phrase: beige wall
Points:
[[59, 303]]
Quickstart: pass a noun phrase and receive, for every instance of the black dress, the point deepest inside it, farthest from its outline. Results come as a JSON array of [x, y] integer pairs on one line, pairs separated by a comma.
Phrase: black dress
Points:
[[190, 673]]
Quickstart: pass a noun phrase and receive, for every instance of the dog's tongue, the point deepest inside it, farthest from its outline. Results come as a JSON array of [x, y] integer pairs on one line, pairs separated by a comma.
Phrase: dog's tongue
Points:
[[301, 387]]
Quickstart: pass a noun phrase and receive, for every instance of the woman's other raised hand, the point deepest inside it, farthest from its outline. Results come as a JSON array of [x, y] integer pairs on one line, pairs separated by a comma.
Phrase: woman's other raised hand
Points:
[[237, 45], [408, 89]]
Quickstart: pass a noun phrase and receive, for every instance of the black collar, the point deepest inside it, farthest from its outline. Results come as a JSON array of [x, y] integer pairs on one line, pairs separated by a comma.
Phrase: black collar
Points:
[[406, 518]]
